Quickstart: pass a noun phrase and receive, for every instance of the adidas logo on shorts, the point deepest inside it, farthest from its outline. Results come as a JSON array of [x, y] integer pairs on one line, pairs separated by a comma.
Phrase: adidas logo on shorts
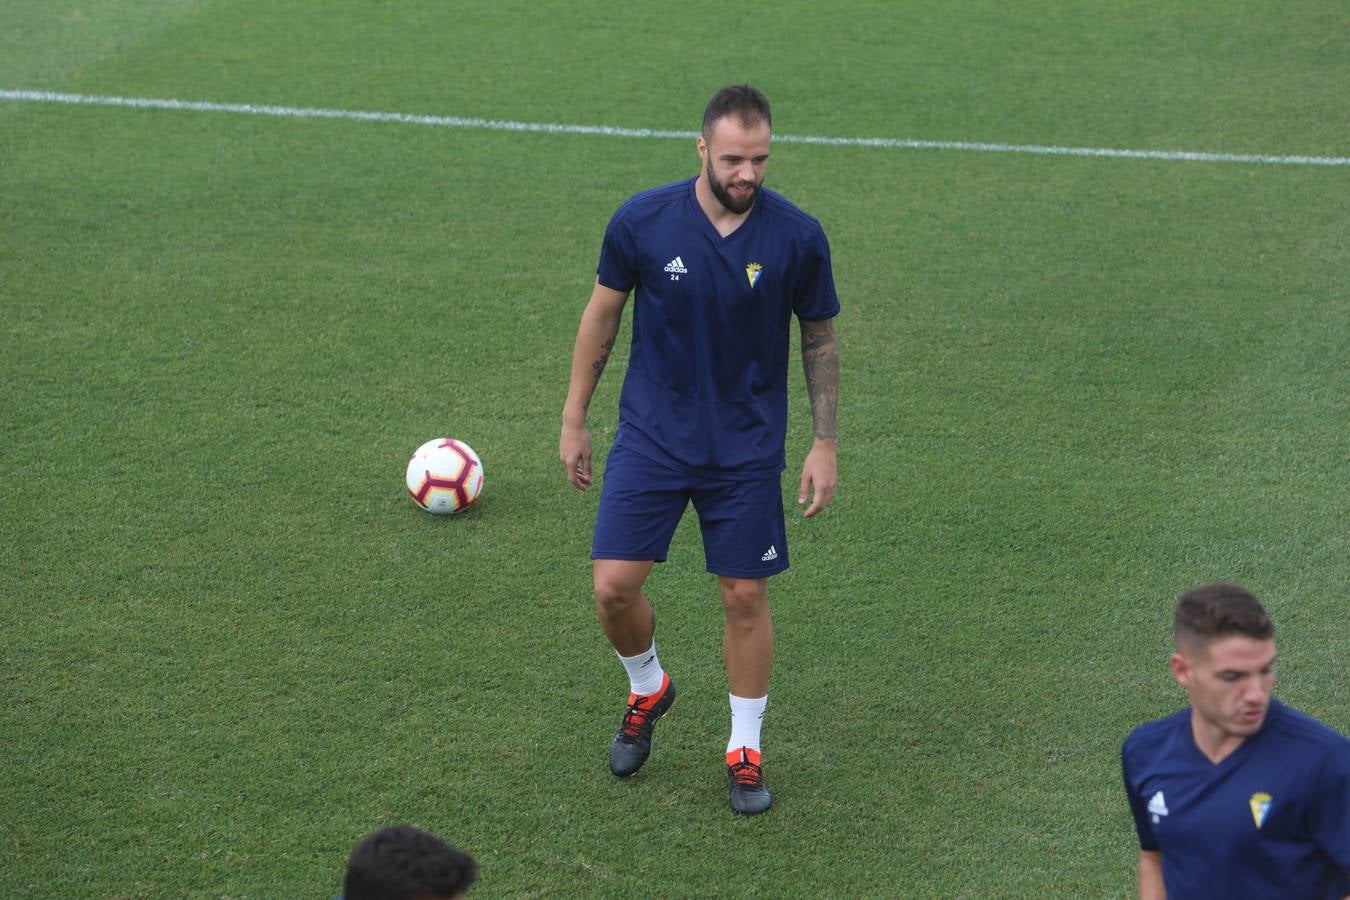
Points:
[[769, 555]]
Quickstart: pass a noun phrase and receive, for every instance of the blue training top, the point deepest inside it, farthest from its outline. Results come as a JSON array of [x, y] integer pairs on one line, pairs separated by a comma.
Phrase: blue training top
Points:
[[706, 389], [1272, 819]]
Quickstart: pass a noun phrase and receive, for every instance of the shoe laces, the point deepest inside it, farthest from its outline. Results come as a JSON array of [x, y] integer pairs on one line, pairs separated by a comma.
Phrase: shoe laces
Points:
[[747, 774], [637, 716]]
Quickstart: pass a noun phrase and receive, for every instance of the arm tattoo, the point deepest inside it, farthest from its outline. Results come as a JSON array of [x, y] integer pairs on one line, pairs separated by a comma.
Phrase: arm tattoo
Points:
[[598, 366], [820, 360]]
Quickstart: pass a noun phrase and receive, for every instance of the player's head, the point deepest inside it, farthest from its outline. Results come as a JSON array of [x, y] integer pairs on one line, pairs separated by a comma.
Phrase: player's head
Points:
[[734, 145], [747, 104], [1219, 610], [406, 863], [1225, 656]]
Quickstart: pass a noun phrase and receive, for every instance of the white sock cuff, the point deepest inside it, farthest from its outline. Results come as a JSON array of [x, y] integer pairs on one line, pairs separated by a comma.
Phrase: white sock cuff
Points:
[[645, 674], [747, 717], [639, 657]]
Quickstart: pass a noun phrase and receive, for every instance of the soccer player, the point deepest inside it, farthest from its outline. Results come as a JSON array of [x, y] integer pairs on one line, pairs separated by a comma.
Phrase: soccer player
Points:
[[718, 265], [1239, 795], [406, 863]]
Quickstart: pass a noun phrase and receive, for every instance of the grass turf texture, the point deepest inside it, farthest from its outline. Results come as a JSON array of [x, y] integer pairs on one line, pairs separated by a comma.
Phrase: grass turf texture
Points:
[[1072, 388]]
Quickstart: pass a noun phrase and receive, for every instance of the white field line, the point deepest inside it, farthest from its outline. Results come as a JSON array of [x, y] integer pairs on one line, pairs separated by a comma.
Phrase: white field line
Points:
[[607, 131]]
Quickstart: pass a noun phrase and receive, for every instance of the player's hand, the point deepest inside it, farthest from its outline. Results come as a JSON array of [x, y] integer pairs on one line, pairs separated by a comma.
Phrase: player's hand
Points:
[[574, 448], [819, 473]]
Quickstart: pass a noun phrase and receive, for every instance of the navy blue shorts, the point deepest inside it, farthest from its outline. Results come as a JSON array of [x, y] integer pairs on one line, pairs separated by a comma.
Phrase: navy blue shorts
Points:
[[744, 535]]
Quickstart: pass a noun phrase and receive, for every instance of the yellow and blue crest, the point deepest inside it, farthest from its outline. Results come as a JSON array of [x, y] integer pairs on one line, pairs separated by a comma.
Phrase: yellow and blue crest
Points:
[[752, 271], [1260, 804]]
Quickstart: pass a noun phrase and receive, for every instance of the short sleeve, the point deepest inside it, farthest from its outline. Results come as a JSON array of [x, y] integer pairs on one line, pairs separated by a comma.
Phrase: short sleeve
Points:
[[815, 298], [1329, 813], [618, 267], [1138, 806]]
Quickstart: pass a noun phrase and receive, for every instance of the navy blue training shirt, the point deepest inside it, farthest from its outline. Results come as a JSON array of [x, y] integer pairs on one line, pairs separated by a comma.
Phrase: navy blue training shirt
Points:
[[706, 388], [1272, 819]]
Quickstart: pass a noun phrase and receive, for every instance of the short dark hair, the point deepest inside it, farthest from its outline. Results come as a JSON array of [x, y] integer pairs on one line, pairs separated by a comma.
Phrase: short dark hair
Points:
[[741, 100], [1219, 610], [406, 863]]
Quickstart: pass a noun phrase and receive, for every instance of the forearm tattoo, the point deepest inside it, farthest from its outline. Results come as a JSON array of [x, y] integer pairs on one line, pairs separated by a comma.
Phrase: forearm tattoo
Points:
[[820, 360], [598, 365]]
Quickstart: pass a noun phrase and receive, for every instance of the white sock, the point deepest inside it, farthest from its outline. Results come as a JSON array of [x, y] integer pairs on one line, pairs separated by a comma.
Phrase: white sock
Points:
[[644, 671], [746, 718]]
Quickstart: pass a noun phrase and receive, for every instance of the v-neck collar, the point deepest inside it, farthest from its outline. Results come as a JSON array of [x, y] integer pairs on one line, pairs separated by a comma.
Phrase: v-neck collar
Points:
[[1241, 750], [720, 241]]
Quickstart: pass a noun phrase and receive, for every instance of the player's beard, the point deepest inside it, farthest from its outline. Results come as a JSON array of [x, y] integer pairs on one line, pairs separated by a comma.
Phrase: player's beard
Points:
[[738, 206]]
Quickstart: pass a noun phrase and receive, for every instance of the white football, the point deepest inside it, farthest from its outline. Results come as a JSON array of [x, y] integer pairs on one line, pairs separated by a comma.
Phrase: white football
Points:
[[445, 476]]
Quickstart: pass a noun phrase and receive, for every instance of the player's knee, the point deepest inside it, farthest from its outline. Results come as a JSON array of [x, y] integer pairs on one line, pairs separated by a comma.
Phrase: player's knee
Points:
[[744, 599], [613, 595]]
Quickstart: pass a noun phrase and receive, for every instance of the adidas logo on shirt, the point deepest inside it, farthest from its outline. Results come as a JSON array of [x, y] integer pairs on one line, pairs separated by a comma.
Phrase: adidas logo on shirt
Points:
[[1157, 806], [676, 265], [769, 555]]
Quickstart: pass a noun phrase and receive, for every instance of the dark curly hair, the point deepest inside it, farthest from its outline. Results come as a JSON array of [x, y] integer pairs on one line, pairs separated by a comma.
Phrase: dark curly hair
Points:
[[406, 863]]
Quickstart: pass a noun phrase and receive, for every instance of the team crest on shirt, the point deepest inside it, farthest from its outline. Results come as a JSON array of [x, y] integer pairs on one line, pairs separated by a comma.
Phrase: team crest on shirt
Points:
[[1260, 804], [752, 272]]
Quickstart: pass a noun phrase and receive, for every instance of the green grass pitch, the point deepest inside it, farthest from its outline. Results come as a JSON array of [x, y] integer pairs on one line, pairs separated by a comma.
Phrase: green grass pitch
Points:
[[1072, 387]]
